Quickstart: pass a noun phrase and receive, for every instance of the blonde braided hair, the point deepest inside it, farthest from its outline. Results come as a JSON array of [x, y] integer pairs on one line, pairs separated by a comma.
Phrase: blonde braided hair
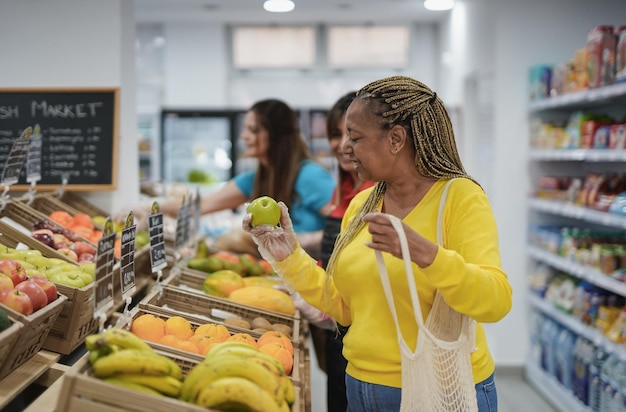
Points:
[[412, 104]]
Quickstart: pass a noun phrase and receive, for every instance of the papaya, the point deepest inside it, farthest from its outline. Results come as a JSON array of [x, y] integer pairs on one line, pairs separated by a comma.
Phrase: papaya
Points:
[[207, 264], [222, 283], [264, 298]]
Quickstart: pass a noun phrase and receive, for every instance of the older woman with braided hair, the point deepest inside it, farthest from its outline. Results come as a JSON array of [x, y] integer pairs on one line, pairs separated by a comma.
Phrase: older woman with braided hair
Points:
[[400, 136]]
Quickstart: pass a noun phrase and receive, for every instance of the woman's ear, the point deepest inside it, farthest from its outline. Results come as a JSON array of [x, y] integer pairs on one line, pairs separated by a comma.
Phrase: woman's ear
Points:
[[397, 136]]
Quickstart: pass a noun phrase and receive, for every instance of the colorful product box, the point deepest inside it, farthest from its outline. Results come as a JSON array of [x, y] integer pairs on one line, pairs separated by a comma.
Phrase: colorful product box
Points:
[[617, 136]]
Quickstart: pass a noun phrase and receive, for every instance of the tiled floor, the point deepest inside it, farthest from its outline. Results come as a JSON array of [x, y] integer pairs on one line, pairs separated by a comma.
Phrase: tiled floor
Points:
[[514, 393]]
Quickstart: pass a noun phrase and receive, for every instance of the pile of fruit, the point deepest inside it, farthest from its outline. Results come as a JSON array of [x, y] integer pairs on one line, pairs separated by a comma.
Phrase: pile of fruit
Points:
[[21, 292], [233, 375], [64, 241], [59, 271], [177, 332]]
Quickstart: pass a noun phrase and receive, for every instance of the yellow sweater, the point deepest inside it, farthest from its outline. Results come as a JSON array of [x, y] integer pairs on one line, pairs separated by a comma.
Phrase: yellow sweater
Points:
[[466, 270]]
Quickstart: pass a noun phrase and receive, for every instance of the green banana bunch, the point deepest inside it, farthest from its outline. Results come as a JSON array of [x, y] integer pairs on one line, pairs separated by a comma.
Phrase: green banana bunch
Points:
[[237, 393], [136, 361], [233, 366], [163, 384]]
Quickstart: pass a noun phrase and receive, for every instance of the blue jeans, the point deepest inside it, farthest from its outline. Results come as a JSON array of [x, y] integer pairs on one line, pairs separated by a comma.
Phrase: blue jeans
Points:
[[368, 397]]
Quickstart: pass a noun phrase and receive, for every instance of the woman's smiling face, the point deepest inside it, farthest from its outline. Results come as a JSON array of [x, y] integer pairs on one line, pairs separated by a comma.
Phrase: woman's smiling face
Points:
[[366, 146], [255, 137]]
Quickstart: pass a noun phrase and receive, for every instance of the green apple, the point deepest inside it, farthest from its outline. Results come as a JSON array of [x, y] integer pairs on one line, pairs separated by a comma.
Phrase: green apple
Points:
[[86, 277], [264, 211], [67, 278], [89, 268]]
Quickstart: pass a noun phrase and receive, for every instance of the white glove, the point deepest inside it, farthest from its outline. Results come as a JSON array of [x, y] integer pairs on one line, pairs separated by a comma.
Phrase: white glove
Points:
[[312, 314], [275, 243]]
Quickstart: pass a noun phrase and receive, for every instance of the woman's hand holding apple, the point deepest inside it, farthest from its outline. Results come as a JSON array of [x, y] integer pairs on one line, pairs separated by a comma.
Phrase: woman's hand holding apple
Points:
[[275, 243]]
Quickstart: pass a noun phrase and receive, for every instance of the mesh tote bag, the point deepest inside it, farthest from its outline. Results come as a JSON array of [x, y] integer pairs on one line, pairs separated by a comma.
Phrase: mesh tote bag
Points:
[[437, 376]]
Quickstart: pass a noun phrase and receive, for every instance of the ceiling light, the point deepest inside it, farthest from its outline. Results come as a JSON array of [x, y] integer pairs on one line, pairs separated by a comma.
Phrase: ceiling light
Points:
[[438, 5], [278, 6]]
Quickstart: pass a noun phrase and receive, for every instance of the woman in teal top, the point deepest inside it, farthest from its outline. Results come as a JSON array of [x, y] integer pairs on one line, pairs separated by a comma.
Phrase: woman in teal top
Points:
[[286, 172]]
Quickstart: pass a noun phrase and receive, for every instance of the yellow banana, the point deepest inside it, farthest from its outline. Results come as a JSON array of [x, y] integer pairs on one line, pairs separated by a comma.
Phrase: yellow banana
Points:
[[90, 341], [234, 366], [125, 339], [289, 392], [236, 392], [102, 351], [284, 407], [166, 384], [132, 385], [231, 347], [135, 361], [191, 380]]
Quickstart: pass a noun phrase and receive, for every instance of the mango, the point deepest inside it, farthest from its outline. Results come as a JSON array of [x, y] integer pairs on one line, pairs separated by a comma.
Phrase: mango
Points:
[[264, 298], [222, 283]]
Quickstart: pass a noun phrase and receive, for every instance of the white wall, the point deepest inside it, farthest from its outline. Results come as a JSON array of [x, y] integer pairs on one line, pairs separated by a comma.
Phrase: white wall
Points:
[[76, 43]]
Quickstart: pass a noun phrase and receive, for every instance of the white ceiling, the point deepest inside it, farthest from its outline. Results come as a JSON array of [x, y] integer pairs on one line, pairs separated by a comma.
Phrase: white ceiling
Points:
[[306, 11]]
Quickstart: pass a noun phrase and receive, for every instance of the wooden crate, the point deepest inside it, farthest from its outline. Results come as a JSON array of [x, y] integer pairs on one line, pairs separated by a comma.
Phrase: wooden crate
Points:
[[79, 203], [165, 314], [8, 338], [36, 328], [75, 320], [46, 203], [197, 303], [81, 391]]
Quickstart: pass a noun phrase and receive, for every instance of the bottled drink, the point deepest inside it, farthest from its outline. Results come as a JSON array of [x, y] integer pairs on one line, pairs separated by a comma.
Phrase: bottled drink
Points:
[[595, 388], [564, 362], [606, 380]]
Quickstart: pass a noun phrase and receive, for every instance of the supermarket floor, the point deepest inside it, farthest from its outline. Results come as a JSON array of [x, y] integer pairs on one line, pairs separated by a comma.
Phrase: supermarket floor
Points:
[[514, 393]]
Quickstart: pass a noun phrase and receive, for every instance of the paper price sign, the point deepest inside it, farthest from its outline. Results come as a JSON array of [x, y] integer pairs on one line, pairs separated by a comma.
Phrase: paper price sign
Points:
[[33, 159], [105, 259], [127, 267], [15, 161], [182, 225], [158, 259]]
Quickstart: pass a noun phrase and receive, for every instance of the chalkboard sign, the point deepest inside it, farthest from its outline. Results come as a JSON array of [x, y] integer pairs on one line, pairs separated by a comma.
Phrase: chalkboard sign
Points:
[[79, 135]]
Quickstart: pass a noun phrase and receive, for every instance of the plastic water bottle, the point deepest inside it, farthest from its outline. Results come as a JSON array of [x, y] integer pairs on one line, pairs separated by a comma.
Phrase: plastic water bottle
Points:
[[595, 388], [553, 348], [619, 380], [546, 331], [536, 320], [563, 354], [606, 380]]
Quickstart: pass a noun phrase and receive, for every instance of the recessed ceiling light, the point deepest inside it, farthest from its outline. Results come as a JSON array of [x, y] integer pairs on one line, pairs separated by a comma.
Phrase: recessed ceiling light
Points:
[[438, 5], [278, 6]]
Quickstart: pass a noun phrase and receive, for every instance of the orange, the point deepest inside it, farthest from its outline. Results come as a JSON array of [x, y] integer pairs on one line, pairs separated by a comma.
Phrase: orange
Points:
[[188, 346], [148, 327], [170, 340], [244, 338], [61, 217], [83, 219], [179, 327], [274, 336], [203, 342], [219, 332], [283, 355]]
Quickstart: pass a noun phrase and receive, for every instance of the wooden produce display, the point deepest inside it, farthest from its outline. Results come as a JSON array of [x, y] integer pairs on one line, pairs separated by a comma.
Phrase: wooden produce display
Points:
[[8, 338], [32, 335], [195, 302]]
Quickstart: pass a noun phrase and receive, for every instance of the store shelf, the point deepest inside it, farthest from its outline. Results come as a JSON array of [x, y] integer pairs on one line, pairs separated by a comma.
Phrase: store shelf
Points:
[[570, 210], [575, 325], [582, 98], [578, 155], [552, 390], [575, 269]]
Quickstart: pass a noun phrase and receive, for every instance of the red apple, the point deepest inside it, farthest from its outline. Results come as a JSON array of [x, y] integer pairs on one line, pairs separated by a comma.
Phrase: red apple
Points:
[[47, 285], [86, 257], [16, 300], [5, 282], [60, 241], [14, 270], [45, 236], [66, 251], [81, 247], [37, 295]]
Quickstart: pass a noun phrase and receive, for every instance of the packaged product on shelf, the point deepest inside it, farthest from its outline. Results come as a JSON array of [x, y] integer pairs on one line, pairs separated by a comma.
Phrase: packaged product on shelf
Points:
[[620, 58], [617, 136], [601, 46], [540, 82]]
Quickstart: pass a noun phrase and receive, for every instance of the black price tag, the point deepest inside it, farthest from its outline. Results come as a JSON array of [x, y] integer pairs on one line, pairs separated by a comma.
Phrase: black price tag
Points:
[[33, 161], [197, 203], [127, 267], [182, 225], [105, 259], [15, 161], [158, 259]]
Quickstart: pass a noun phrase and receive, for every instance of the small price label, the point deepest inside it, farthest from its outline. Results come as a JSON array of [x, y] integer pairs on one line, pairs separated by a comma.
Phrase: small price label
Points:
[[127, 266], [33, 160], [15, 161], [182, 225], [105, 259], [158, 259]]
